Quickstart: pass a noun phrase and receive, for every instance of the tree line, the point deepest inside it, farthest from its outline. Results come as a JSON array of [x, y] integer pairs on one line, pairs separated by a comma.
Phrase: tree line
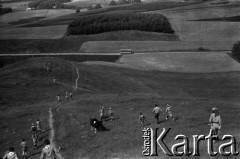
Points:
[[95, 24]]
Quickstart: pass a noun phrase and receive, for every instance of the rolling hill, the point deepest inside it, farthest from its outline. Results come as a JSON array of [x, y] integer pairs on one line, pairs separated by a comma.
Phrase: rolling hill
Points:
[[27, 93]]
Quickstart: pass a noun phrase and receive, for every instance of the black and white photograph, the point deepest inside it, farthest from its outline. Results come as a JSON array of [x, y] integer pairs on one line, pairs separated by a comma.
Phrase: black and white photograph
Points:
[[119, 79]]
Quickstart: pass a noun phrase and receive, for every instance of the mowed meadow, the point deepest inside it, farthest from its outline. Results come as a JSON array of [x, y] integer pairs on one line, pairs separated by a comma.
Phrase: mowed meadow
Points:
[[189, 23]]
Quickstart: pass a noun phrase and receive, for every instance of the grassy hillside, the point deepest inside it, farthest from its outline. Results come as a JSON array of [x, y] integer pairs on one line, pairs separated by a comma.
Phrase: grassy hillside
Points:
[[205, 32], [27, 92], [24, 100]]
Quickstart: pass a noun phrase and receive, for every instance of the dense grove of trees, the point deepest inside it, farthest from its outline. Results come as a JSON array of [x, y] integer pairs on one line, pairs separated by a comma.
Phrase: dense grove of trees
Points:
[[47, 4], [236, 50], [95, 24], [4, 10]]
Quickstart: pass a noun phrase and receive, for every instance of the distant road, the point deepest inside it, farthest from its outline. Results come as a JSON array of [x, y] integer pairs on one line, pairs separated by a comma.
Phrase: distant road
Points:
[[57, 54], [6, 59]]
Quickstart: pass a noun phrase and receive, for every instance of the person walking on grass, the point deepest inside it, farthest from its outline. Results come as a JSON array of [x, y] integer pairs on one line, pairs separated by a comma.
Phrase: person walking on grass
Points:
[[24, 149], [67, 96], [54, 80], [48, 151], [10, 154], [35, 140], [215, 122], [142, 119], [34, 135], [39, 127], [33, 128], [70, 95], [111, 114], [58, 98], [169, 112], [101, 111], [156, 111]]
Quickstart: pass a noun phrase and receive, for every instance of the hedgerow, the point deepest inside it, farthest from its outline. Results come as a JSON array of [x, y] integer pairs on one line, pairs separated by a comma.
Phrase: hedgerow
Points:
[[95, 24], [236, 50], [5, 10]]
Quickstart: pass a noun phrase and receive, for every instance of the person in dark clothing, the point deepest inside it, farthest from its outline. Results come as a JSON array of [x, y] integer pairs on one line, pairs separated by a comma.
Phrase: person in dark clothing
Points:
[[97, 125]]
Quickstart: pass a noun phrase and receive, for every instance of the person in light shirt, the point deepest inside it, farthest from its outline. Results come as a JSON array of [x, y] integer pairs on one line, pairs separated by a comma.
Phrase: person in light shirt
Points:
[[67, 96], [111, 114], [58, 98], [169, 112], [102, 112], [39, 127], [24, 149], [48, 151], [10, 154], [156, 111], [142, 119], [215, 122]]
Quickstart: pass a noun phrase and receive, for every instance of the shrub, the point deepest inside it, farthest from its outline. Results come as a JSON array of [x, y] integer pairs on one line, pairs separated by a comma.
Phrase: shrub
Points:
[[202, 49], [78, 10], [236, 50], [95, 24]]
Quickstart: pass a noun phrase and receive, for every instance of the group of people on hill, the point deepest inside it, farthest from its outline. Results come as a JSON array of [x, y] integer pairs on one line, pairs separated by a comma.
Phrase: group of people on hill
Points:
[[48, 151], [36, 129], [97, 125], [156, 111], [103, 115], [68, 96], [214, 120]]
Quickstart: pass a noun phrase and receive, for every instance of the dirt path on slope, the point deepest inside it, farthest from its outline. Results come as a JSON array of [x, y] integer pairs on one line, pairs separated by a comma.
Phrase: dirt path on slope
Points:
[[51, 138]]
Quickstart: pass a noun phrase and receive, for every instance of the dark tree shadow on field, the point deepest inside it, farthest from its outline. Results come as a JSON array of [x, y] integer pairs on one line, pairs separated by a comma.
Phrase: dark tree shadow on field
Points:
[[35, 153], [40, 145], [45, 131], [147, 124], [159, 122], [102, 128], [42, 137], [176, 118], [107, 118]]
